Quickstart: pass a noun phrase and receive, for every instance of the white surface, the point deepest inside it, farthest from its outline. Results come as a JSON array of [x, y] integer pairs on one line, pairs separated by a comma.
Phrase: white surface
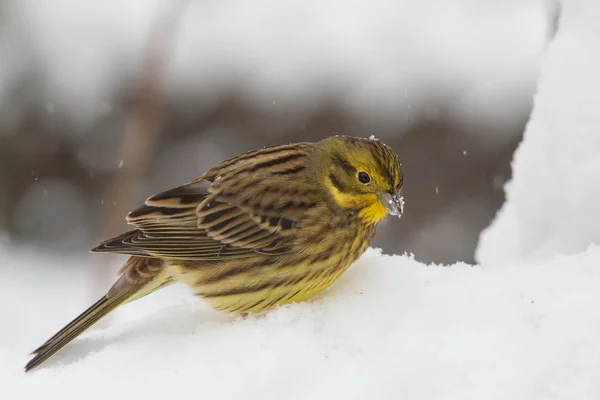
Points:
[[553, 202], [391, 328]]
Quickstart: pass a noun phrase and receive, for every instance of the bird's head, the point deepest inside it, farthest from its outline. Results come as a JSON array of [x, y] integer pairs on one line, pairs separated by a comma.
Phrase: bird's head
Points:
[[362, 175]]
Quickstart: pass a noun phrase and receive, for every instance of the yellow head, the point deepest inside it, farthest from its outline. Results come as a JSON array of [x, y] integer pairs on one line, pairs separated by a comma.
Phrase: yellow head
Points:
[[362, 175]]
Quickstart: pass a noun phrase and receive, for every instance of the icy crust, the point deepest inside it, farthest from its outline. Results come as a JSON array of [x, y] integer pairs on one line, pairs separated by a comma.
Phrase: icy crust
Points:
[[391, 328]]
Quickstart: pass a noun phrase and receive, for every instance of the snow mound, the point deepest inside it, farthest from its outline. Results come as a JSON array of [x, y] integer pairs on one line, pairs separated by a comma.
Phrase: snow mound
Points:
[[391, 328], [552, 202]]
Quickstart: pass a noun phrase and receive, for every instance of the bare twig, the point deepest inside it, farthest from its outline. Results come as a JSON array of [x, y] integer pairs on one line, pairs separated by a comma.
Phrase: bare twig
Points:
[[142, 128]]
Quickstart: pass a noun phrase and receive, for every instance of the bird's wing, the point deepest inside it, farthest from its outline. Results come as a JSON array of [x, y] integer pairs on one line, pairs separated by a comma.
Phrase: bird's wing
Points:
[[231, 211], [168, 226]]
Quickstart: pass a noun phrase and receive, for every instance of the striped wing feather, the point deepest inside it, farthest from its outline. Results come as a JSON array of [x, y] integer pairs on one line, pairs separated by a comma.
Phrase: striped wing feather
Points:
[[234, 210]]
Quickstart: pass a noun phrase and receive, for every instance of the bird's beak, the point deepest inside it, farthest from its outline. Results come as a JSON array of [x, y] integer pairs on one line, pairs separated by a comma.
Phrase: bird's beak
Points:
[[393, 202]]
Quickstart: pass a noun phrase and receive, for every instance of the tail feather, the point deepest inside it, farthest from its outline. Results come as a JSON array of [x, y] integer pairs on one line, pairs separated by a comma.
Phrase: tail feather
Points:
[[89, 317], [140, 276]]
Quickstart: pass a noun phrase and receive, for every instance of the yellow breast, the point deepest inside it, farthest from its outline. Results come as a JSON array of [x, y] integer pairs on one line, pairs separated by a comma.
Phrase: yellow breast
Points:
[[265, 286]]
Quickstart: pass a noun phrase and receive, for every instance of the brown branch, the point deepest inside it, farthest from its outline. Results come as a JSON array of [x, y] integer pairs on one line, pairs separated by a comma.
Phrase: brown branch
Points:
[[141, 130]]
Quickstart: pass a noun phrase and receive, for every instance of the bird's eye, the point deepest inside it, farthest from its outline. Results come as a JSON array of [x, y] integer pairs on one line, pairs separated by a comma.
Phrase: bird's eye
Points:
[[363, 177]]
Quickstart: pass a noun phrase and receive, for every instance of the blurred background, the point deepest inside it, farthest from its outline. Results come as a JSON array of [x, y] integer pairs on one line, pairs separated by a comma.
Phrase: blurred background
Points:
[[103, 103]]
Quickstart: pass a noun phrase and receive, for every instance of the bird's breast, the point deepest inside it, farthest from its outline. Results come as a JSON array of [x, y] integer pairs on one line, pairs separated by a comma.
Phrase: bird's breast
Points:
[[255, 284]]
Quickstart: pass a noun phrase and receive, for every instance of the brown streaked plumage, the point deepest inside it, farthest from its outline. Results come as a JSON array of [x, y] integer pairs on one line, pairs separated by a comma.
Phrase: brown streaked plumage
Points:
[[268, 227]]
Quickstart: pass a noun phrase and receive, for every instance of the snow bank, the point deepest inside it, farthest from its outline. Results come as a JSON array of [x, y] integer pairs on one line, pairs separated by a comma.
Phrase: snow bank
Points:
[[391, 328], [553, 201]]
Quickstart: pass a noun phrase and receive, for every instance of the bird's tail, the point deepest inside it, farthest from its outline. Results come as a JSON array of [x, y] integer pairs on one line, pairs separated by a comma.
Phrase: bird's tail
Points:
[[88, 318], [139, 277]]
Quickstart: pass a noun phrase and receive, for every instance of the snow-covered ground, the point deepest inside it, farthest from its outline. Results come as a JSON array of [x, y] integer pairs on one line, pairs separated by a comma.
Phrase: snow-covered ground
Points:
[[391, 328]]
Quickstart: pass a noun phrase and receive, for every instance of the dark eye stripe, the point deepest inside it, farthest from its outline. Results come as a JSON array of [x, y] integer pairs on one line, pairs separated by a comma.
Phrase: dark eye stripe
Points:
[[335, 182], [344, 164]]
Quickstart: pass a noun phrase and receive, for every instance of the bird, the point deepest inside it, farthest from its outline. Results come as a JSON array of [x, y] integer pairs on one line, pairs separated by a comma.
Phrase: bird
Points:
[[268, 227]]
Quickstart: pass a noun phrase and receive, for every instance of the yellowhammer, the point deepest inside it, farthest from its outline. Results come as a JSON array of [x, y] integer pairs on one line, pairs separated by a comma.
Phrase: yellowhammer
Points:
[[268, 227]]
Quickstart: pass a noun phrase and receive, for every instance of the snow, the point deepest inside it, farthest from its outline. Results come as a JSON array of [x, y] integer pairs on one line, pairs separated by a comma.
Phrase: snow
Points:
[[390, 328], [552, 200]]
